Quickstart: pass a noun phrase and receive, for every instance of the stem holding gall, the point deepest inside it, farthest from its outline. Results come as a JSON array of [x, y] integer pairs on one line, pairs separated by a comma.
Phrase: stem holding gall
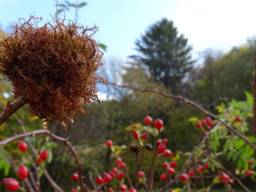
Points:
[[11, 108]]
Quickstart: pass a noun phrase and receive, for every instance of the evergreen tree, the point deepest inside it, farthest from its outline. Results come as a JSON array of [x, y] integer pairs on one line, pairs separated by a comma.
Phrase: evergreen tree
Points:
[[165, 53]]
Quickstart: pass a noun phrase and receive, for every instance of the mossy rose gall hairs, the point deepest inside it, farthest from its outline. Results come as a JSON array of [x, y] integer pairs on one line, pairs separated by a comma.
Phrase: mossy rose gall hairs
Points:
[[53, 66]]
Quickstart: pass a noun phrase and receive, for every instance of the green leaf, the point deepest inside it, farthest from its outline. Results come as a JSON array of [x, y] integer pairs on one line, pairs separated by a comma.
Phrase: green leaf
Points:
[[4, 163], [103, 46], [193, 120], [249, 98], [117, 150]]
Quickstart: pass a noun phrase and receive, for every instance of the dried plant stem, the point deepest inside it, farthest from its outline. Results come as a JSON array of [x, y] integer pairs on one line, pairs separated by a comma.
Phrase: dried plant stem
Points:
[[11, 108]]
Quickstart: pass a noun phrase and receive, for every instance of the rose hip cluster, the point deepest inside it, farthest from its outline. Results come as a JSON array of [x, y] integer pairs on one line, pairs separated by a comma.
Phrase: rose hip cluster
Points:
[[205, 123], [75, 178], [115, 179], [117, 173], [11, 184]]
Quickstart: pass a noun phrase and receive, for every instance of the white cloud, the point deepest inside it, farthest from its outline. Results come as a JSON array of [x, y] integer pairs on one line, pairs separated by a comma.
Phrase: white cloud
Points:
[[217, 24], [102, 96]]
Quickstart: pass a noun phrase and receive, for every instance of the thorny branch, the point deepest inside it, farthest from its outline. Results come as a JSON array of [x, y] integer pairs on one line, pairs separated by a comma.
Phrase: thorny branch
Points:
[[11, 108], [56, 138]]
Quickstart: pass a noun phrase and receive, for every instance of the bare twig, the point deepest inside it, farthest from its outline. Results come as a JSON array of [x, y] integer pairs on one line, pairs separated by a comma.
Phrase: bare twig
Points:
[[54, 185], [235, 178], [11, 108]]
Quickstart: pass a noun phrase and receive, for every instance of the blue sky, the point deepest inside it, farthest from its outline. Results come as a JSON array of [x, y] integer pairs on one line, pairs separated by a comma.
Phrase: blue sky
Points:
[[217, 24], [119, 22]]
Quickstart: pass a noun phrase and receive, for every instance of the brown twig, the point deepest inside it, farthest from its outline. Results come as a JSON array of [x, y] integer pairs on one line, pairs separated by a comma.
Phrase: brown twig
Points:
[[11, 108], [152, 172], [193, 104], [54, 185], [235, 178]]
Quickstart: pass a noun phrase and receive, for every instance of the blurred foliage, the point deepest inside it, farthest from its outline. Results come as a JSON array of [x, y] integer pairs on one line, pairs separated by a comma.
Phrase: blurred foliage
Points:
[[222, 78]]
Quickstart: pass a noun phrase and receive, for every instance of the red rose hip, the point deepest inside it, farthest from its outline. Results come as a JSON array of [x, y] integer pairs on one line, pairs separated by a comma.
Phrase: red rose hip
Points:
[[164, 177], [140, 174], [22, 172], [11, 184], [183, 177], [43, 155], [148, 120], [109, 143], [158, 124], [74, 176], [23, 147]]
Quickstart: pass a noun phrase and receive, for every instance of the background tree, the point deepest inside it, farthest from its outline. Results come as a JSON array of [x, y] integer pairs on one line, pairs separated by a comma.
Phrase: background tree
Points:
[[165, 53], [223, 77]]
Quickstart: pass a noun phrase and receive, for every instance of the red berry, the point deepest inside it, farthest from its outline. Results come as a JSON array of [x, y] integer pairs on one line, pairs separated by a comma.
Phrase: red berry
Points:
[[206, 165], [200, 169], [249, 173], [132, 190], [173, 164], [109, 143], [107, 178], [123, 187], [165, 141], [164, 177], [148, 120], [99, 180], [161, 148], [183, 177], [159, 141], [144, 136], [113, 172], [118, 161], [11, 184], [158, 124], [165, 165], [140, 174], [171, 171], [43, 155], [120, 175], [208, 122], [110, 189], [225, 178], [74, 176], [22, 172], [74, 190], [237, 119], [191, 173], [23, 147], [122, 165], [136, 135], [167, 153]]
